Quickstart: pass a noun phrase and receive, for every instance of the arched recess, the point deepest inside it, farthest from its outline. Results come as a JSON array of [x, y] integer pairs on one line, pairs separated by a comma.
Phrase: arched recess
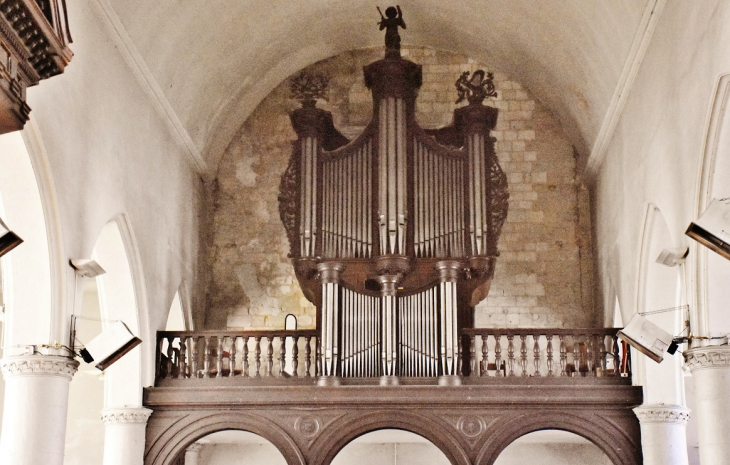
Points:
[[659, 288], [27, 281], [390, 446], [552, 447], [122, 297], [613, 439], [231, 446], [180, 435], [342, 432], [712, 272]]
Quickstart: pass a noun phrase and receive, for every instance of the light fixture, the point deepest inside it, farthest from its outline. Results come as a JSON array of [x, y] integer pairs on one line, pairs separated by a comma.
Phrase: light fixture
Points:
[[648, 338], [8, 239], [712, 228], [86, 268], [672, 257]]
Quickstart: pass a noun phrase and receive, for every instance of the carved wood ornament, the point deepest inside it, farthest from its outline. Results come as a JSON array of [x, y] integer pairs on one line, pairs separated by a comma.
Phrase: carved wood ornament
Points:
[[394, 235]]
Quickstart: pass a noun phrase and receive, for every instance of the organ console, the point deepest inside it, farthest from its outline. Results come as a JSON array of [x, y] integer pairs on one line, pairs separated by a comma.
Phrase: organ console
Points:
[[394, 235]]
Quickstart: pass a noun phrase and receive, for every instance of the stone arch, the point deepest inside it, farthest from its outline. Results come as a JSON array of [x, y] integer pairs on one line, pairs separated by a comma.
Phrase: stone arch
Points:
[[608, 436], [181, 434], [342, 432], [709, 270]]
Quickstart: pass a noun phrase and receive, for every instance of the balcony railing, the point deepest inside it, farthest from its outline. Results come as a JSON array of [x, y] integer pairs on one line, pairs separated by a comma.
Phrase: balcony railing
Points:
[[291, 356]]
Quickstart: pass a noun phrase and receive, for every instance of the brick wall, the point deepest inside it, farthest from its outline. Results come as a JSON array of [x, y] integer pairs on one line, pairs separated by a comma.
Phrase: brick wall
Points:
[[544, 275]]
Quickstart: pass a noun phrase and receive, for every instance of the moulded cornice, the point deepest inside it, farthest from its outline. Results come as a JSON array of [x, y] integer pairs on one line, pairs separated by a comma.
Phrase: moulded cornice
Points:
[[39, 365], [662, 414], [707, 357], [125, 415]]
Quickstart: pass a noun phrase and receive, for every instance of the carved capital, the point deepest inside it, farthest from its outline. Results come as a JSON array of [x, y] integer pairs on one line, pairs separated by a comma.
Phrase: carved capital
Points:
[[39, 365], [701, 358], [662, 414], [114, 416]]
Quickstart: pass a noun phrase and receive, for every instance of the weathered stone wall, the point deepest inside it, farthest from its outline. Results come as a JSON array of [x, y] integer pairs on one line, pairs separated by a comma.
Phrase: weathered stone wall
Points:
[[544, 275]]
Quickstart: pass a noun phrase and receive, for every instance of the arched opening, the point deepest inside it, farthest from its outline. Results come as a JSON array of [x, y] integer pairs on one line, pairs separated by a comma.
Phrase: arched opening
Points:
[[552, 447], [229, 446], [660, 297], [84, 429], [390, 447]]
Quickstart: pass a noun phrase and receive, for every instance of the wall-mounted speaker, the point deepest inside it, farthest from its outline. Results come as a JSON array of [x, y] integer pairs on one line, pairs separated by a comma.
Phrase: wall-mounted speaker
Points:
[[646, 337], [111, 345]]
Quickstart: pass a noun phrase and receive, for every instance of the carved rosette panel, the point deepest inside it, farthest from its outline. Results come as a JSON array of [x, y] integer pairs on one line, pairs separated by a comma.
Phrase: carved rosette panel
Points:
[[715, 357], [662, 414], [125, 416], [39, 365]]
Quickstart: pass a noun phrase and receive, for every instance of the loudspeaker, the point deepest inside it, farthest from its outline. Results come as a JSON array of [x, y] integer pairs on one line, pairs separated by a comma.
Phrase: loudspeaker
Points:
[[712, 228], [109, 346], [672, 257], [8, 239], [646, 337]]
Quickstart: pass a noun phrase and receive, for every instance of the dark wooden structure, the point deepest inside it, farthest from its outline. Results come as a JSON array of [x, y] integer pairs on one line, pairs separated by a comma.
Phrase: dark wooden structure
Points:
[[394, 235], [34, 39], [394, 239]]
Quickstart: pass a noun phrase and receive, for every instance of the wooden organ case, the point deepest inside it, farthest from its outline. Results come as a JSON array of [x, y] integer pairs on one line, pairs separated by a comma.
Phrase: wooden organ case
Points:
[[394, 235]]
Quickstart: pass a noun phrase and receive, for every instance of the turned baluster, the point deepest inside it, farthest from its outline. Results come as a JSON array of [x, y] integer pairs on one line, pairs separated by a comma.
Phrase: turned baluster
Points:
[[183, 356], [232, 361], [473, 355], [536, 354], [168, 368], [257, 357], [576, 356], [498, 354], [282, 355], [317, 359], [523, 354], [550, 354], [616, 357], [589, 353], [602, 353], [460, 358], [563, 356], [206, 360], [270, 356], [194, 359], [244, 362], [308, 357], [511, 354], [484, 363], [219, 358], [295, 357]]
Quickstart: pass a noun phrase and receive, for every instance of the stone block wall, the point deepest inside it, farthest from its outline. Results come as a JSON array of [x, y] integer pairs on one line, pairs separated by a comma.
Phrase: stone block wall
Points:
[[544, 276]]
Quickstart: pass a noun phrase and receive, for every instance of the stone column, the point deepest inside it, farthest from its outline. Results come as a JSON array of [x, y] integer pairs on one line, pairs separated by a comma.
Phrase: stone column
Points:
[[35, 408], [192, 453], [710, 368], [124, 436], [663, 433]]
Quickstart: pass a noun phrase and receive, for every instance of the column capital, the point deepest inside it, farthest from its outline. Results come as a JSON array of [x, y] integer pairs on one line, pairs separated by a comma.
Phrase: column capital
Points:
[[39, 365], [701, 358], [662, 413], [113, 416]]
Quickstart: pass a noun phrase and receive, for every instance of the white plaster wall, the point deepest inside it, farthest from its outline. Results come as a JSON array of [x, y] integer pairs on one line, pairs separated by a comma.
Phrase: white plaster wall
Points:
[[109, 152], [655, 154]]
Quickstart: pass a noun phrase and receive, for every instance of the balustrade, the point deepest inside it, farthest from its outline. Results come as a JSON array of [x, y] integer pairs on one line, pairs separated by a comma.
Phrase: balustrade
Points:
[[215, 354], [582, 352]]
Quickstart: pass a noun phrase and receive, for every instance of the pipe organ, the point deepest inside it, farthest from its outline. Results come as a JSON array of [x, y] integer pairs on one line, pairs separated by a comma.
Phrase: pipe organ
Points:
[[394, 235]]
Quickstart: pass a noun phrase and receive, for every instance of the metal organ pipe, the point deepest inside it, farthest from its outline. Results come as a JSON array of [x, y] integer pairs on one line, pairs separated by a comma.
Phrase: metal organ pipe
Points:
[[308, 209]]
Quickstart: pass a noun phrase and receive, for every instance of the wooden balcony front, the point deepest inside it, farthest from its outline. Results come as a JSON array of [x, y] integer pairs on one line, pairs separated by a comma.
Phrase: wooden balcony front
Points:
[[513, 381]]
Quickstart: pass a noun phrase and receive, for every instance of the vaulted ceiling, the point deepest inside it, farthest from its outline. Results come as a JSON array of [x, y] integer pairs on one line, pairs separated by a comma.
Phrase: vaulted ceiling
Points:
[[214, 60]]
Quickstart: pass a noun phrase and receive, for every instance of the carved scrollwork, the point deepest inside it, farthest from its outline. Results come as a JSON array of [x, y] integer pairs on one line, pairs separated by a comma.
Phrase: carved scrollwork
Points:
[[498, 203], [476, 88], [307, 88], [288, 200]]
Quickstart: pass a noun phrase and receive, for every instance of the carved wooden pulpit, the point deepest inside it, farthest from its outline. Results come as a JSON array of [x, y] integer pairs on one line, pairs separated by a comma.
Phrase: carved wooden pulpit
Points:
[[394, 235]]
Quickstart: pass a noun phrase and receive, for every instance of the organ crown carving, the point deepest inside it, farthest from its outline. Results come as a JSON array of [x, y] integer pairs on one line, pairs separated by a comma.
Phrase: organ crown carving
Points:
[[394, 235]]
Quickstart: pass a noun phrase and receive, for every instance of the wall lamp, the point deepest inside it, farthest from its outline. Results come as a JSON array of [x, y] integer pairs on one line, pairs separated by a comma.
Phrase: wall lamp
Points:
[[712, 228], [8, 239]]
